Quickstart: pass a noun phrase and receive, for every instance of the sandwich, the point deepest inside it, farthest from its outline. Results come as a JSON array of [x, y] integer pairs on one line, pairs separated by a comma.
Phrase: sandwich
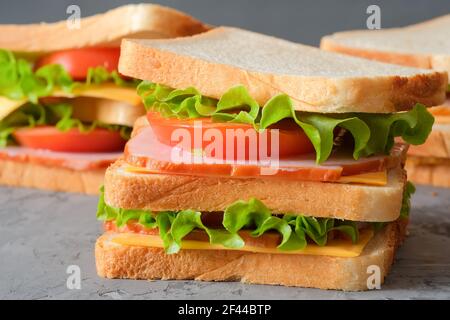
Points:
[[423, 45], [262, 161], [65, 111]]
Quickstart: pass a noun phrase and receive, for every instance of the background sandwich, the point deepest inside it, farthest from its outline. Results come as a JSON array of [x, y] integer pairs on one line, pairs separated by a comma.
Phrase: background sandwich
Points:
[[423, 45], [337, 200], [65, 111]]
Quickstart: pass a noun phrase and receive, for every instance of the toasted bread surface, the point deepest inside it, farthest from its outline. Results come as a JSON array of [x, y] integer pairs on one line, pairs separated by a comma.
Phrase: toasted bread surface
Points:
[[317, 81], [160, 192], [351, 274], [423, 170], [105, 29], [423, 45], [33, 175], [437, 144]]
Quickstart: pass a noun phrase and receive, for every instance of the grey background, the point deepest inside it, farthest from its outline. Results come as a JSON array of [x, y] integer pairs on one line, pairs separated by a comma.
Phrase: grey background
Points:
[[303, 21]]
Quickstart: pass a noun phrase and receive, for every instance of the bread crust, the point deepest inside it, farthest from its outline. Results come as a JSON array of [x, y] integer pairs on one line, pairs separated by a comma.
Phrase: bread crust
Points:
[[416, 60], [405, 59], [437, 144], [408, 46], [435, 174], [33, 175], [350, 274], [379, 94], [131, 21], [160, 192]]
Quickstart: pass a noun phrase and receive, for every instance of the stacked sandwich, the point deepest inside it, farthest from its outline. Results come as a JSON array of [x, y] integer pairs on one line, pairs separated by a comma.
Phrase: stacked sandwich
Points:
[[324, 196], [65, 111], [423, 45]]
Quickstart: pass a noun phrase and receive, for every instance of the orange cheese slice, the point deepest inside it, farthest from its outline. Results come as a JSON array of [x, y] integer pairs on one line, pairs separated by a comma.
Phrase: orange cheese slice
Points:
[[334, 248], [371, 178]]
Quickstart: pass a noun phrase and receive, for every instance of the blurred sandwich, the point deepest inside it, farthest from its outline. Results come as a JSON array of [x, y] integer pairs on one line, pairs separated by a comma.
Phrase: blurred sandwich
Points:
[[423, 45], [330, 199], [65, 111]]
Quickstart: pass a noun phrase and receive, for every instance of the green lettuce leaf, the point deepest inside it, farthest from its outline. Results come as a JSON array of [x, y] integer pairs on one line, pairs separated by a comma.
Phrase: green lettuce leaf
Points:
[[18, 80], [243, 214], [371, 133], [105, 212], [28, 115], [252, 215], [100, 74], [187, 220], [60, 115], [410, 189]]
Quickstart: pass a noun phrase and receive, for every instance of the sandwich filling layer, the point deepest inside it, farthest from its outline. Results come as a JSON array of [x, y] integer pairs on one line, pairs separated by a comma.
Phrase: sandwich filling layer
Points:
[[244, 225], [146, 154], [195, 135], [69, 160], [71, 101], [363, 134]]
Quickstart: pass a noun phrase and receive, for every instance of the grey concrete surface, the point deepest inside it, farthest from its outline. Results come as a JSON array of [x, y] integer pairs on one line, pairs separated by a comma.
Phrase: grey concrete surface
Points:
[[42, 233]]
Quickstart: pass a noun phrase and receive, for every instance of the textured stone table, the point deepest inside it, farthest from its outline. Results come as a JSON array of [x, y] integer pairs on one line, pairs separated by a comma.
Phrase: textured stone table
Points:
[[42, 233]]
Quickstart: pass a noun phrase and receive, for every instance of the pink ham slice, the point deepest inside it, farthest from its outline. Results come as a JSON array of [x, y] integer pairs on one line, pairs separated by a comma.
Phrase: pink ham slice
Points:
[[146, 152], [69, 160]]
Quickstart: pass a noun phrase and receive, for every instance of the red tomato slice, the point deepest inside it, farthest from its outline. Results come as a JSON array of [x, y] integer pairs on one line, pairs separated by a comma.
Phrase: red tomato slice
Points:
[[148, 155], [77, 61], [145, 154], [291, 140], [50, 138]]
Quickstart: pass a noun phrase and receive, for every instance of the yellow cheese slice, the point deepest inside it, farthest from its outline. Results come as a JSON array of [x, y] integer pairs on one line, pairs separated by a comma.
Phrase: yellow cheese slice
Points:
[[105, 91], [334, 248], [106, 111], [7, 106], [373, 178]]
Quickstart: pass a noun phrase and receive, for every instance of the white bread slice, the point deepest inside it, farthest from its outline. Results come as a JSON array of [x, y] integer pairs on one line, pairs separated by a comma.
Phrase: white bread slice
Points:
[[350, 274], [426, 171], [437, 144], [317, 81], [423, 45], [33, 175], [106, 29], [159, 192]]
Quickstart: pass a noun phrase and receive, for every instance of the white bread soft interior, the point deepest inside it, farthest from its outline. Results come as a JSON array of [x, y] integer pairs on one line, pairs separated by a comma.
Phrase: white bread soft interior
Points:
[[425, 45], [315, 80]]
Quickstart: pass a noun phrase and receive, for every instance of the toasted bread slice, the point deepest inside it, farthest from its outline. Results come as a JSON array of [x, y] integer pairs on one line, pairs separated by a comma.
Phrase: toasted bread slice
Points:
[[34, 175], [426, 170], [106, 29], [351, 274], [423, 45], [437, 144], [316, 81], [160, 192]]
